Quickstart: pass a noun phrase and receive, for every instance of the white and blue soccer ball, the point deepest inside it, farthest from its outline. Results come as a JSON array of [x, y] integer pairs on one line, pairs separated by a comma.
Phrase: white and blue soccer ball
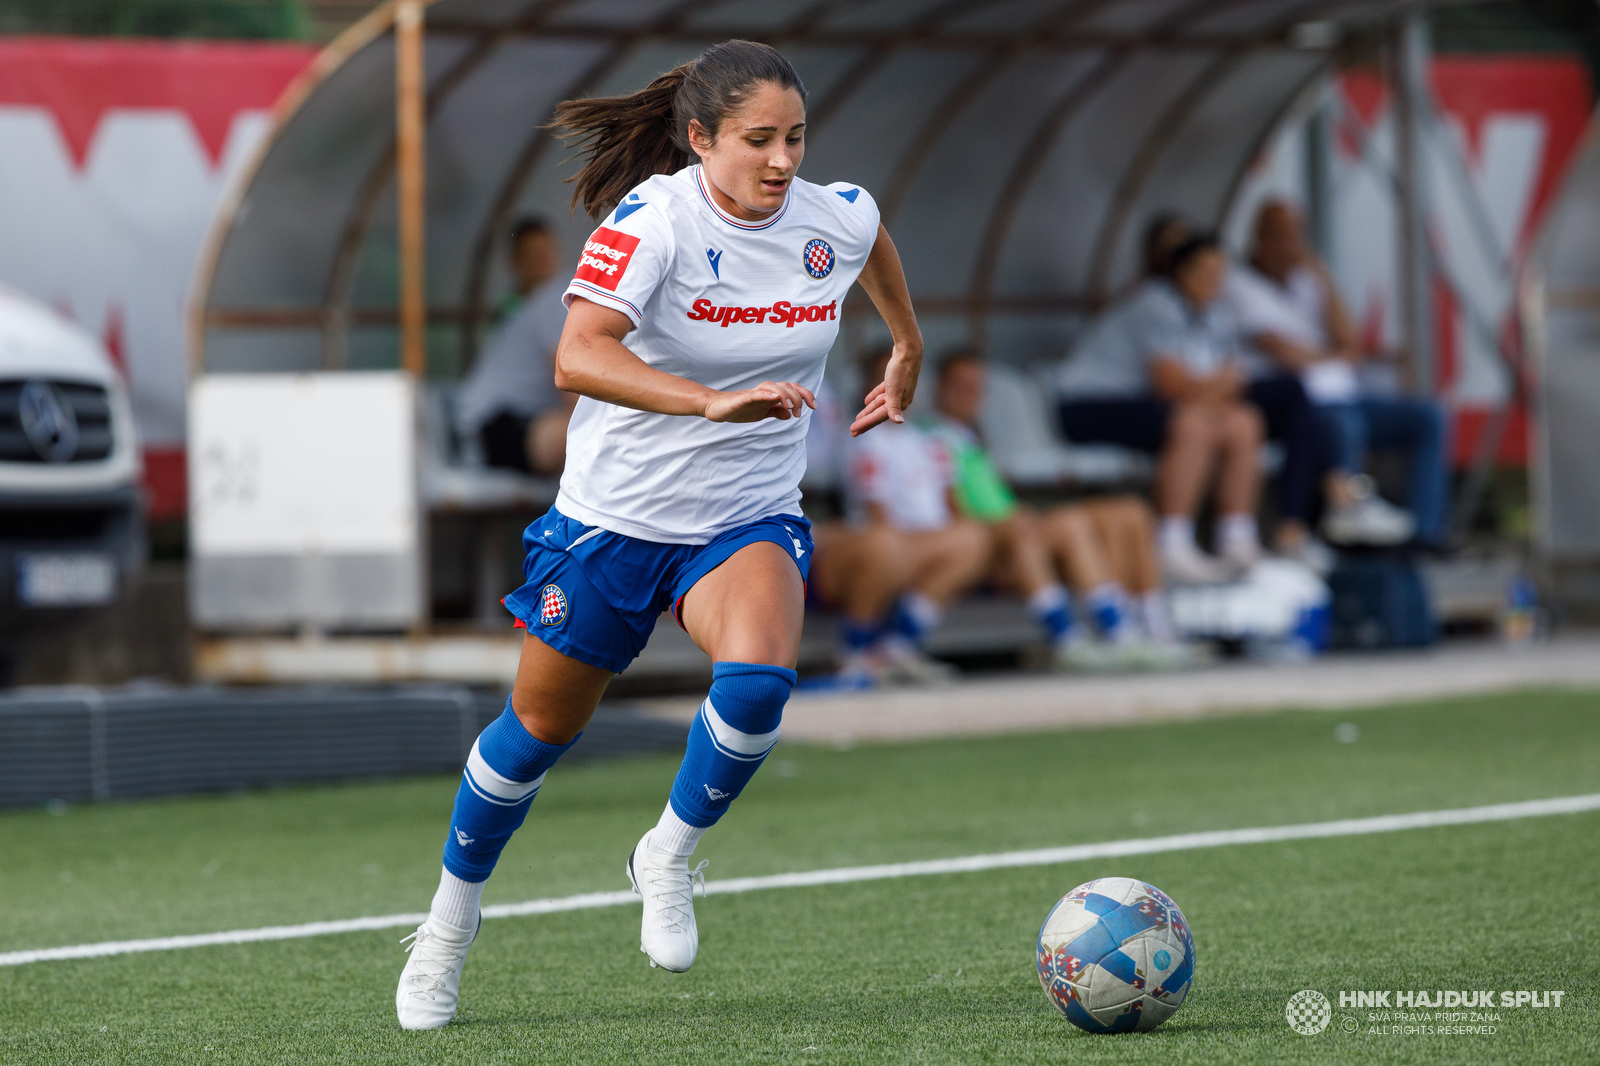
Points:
[[1115, 956]]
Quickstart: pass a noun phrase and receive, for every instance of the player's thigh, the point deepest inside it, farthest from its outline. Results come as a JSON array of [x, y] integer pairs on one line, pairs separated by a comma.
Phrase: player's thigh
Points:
[[749, 609], [555, 695]]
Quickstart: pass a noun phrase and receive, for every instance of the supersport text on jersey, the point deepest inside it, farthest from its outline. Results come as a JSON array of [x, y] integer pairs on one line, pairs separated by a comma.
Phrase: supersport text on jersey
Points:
[[783, 313], [683, 271]]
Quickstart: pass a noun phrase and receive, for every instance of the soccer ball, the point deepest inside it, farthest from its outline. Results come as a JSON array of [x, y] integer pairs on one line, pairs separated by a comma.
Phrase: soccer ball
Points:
[[1115, 956]]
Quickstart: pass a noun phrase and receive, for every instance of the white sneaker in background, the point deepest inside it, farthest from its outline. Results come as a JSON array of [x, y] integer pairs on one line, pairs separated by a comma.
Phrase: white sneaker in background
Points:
[[1188, 565], [1314, 554], [1166, 655], [1368, 519], [430, 984], [1241, 555], [1080, 654], [667, 932], [906, 664], [860, 669]]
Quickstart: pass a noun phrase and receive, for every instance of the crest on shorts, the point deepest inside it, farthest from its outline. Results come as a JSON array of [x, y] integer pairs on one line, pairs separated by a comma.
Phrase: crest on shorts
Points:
[[552, 606], [818, 258]]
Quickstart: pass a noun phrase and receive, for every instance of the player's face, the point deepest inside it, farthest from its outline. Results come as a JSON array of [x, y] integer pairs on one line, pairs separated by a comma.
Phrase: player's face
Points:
[[756, 152]]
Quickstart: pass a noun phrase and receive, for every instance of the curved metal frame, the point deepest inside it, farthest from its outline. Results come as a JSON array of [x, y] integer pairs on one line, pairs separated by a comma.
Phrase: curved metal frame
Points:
[[1059, 30], [532, 152], [1038, 147], [372, 26], [1143, 163]]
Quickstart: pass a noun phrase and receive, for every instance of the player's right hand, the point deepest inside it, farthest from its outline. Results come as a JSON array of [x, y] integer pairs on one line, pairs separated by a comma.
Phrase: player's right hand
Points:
[[770, 399], [888, 401]]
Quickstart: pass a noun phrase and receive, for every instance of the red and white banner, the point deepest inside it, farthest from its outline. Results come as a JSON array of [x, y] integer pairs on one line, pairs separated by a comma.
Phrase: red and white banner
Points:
[[1509, 126], [112, 156]]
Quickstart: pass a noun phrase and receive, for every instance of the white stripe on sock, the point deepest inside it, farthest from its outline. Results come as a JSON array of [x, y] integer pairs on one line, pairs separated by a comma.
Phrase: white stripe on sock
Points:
[[746, 746], [494, 787]]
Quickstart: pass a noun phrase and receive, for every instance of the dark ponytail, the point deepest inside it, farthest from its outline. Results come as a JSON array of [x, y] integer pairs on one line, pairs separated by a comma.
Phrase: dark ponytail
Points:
[[625, 139]]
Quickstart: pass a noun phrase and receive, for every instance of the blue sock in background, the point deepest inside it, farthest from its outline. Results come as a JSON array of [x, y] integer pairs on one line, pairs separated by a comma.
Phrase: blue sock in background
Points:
[[503, 774], [1109, 606], [859, 636], [736, 727], [915, 616], [1051, 607]]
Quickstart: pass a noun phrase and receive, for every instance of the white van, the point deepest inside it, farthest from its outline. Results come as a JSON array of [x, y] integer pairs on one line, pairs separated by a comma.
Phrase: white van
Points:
[[71, 510]]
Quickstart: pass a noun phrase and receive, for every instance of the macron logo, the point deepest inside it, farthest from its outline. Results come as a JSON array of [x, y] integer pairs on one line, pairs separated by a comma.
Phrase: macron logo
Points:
[[606, 256], [716, 261], [463, 839], [716, 794]]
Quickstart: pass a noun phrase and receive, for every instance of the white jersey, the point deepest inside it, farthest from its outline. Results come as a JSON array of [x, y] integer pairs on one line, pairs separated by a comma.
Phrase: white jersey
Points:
[[726, 303], [906, 471], [1298, 310]]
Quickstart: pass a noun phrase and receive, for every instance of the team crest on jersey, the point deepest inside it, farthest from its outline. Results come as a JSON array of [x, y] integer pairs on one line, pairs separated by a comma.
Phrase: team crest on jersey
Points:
[[552, 606], [818, 258]]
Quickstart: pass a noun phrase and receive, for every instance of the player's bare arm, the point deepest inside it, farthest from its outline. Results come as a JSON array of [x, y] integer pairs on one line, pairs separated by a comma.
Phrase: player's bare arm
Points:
[[885, 282], [592, 361]]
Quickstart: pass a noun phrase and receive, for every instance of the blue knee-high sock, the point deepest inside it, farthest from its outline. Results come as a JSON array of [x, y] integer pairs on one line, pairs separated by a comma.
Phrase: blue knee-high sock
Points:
[[736, 727], [503, 775]]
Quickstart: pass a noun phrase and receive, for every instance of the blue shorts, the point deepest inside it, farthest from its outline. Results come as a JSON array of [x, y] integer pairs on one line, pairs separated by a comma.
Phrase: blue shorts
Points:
[[594, 595]]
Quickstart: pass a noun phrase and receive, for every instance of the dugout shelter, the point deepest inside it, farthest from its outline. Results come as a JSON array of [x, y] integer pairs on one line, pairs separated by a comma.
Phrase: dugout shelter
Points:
[[1016, 147]]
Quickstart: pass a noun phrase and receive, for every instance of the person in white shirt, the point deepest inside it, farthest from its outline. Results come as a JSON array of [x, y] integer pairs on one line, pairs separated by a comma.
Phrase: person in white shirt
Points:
[[1291, 312], [907, 553], [509, 399], [699, 321]]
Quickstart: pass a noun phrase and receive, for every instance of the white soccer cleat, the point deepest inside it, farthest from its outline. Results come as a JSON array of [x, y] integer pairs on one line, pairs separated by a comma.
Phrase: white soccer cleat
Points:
[[430, 985], [667, 932]]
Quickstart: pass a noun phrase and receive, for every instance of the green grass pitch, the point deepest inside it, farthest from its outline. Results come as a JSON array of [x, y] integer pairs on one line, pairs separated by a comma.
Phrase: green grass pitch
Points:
[[927, 969]]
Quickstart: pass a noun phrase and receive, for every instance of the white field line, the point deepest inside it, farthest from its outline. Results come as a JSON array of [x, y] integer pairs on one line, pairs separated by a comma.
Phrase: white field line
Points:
[[1388, 823]]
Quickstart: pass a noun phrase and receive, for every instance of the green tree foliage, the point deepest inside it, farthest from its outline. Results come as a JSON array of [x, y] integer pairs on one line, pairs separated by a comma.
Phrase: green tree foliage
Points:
[[255, 19]]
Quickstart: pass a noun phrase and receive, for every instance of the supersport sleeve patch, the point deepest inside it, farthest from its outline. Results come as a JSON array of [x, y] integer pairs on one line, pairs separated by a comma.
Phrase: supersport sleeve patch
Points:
[[623, 264], [607, 255]]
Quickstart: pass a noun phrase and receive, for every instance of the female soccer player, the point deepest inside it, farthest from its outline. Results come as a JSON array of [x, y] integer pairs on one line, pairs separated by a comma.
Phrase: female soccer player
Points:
[[725, 279]]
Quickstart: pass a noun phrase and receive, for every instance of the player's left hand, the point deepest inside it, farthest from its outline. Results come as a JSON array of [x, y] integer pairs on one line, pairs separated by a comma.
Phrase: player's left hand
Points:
[[888, 402], [782, 400]]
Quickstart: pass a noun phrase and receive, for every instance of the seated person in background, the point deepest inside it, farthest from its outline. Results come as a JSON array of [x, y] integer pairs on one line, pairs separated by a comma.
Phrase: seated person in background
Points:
[[1288, 309], [509, 400], [1159, 373], [905, 555], [1105, 548]]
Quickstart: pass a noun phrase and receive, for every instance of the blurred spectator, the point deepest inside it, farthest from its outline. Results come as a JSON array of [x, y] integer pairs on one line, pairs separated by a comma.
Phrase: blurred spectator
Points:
[[1162, 236], [1289, 310], [1159, 373], [906, 554], [509, 400], [1105, 548], [533, 256]]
